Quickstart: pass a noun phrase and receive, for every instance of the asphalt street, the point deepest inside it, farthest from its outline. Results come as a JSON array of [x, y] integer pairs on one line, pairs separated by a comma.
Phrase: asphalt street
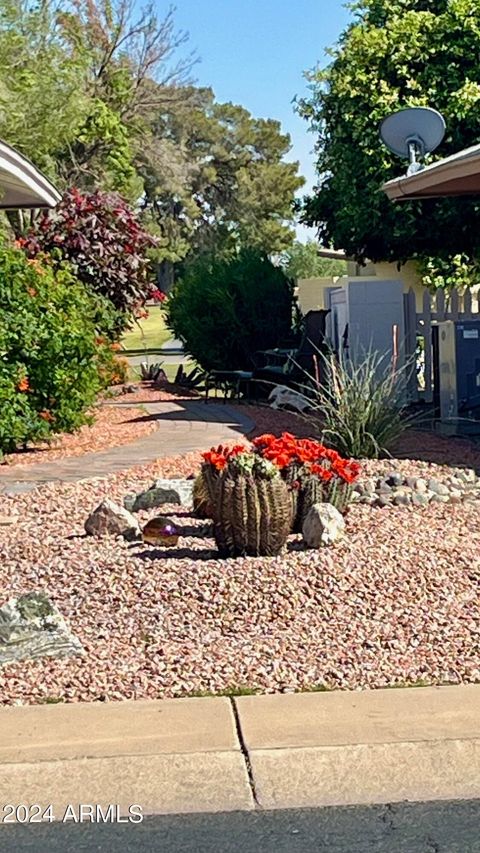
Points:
[[439, 827]]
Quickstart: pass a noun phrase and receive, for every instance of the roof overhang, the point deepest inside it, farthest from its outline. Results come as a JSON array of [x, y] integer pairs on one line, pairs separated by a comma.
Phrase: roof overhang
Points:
[[21, 184], [456, 175], [332, 254]]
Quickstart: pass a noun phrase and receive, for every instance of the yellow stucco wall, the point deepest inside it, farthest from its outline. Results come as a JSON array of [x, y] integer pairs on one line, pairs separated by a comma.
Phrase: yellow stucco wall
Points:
[[407, 273], [311, 292]]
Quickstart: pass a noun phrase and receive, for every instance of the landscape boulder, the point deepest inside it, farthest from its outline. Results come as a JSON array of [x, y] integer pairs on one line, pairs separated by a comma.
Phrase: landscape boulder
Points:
[[32, 627], [113, 519], [323, 525], [178, 492]]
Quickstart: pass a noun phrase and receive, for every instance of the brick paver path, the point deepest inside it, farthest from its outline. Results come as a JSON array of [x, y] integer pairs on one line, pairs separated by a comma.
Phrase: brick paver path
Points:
[[181, 427]]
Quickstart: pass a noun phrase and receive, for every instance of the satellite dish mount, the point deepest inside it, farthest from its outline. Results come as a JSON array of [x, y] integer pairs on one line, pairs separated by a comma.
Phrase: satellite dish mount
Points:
[[412, 133]]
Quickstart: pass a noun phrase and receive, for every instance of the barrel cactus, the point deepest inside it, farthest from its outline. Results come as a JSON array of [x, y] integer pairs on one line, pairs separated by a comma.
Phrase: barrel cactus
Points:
[[313, 490], [252, 508], [202, 500], [314, 473], [253, 515]]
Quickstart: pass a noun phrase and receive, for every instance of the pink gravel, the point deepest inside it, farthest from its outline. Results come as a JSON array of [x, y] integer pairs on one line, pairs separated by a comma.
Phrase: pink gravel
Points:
[[112, 427], [396, 601]]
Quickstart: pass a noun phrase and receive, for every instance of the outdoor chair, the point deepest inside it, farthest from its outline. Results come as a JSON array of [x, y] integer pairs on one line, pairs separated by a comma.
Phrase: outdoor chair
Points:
[[292, 368], [232, 384]]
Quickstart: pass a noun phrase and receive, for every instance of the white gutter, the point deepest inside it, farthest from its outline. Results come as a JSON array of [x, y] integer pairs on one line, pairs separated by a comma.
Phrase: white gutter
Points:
[[442, 178], [21, 184]]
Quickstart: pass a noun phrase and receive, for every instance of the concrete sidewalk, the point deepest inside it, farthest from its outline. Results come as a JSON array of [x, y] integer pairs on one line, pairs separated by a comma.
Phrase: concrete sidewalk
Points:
[[247, 753]]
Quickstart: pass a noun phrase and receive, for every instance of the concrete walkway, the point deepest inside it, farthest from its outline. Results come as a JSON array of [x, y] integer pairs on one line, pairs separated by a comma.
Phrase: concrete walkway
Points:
[[182, 426], [248, 753]]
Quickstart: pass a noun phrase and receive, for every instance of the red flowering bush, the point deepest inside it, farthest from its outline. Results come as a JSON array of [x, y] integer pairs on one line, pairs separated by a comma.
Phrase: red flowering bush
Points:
[[104, 242]]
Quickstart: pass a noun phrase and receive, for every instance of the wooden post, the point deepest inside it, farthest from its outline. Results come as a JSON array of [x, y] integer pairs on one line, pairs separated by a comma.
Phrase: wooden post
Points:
[[427, 333]]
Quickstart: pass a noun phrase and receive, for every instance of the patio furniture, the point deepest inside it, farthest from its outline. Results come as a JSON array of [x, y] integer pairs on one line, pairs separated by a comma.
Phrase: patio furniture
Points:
[[292, 368], [232, 383]]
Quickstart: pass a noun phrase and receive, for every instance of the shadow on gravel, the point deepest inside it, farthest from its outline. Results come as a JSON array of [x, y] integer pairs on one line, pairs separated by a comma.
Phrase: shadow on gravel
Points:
[[437, 827]]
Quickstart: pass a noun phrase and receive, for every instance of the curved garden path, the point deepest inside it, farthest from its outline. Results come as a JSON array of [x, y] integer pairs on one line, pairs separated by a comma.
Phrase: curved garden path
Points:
[[181, 427]]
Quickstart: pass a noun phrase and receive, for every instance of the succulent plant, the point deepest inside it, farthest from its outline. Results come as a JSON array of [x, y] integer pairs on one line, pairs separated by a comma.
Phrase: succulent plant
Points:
[[253, 514], [202, 500]]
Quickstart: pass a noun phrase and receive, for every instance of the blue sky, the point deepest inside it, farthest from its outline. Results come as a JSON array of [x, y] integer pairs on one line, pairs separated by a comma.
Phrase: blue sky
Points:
[[254, 53]]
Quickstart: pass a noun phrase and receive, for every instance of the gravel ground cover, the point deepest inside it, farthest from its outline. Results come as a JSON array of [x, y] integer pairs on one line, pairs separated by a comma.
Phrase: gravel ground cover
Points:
[[395, 602], [112, 427], [150, 392]]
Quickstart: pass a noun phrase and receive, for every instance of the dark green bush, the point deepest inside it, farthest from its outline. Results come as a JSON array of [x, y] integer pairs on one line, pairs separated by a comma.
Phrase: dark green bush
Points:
[[50, 354], [226, 310]]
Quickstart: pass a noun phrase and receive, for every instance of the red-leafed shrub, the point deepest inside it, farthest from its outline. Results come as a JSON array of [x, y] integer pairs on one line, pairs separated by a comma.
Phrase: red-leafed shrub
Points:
[[104, 242]]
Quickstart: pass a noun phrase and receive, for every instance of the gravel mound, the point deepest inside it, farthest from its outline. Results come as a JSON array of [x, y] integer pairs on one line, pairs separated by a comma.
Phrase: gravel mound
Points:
[[395, 601]]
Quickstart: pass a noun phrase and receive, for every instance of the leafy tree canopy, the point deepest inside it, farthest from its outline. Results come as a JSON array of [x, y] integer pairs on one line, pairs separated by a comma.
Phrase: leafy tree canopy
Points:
[[302, 260], [96, 95], [215, 177], [396, 53]]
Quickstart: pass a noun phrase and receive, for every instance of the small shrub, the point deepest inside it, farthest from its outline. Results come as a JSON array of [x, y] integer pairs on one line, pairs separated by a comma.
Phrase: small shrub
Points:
[[225, 310], [49, 351], [102, 239], [359, 408]]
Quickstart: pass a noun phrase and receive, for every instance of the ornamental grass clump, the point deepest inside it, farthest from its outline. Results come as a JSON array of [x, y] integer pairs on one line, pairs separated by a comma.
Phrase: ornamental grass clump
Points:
[[313, 472], [360, 409], [252, 509]]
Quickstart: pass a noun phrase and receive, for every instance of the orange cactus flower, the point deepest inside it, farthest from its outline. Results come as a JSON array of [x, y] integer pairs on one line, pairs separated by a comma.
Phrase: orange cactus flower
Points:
[[31, 291], [23, 385]]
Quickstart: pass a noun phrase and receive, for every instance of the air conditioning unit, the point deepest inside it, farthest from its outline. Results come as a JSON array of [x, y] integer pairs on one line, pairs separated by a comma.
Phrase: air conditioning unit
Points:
[[459, 369]]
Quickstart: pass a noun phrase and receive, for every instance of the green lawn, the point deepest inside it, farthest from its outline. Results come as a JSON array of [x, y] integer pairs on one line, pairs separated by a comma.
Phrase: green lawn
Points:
[[148, 334]]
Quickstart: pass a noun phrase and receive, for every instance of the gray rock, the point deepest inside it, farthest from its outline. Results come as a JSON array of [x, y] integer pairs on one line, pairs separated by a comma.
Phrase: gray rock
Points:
[[129, 502], [421, 485], [323, 525], [383, 501], [456, 494], [402, 499], [368, 486], [32, 627], [437, 488], [163, 492], [113, 519], [419, 499], [384, 489], [439, 499], [411, 482], [394, 479], [466, 475]]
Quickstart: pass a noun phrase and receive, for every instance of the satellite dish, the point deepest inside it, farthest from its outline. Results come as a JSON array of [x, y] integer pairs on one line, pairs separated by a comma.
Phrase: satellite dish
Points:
[[412, 133]]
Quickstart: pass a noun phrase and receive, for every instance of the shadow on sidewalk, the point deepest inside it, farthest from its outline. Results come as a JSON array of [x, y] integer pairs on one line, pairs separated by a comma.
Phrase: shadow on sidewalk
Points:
[[446, 827]]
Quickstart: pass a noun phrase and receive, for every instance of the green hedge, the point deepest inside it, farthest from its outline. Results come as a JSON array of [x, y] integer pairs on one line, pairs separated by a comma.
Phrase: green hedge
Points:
[[226, 310], [50, 355]]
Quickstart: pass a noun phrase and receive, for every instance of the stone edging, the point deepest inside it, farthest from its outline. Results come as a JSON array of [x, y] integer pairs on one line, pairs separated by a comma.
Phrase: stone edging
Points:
[[393, 489]]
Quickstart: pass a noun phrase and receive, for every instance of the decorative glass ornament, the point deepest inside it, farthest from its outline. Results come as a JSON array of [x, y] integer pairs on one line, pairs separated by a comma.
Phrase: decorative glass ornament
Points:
[[161, 531]]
